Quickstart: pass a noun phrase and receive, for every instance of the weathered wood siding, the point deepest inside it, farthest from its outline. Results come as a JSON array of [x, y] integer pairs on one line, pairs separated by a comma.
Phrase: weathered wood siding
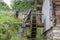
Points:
[[57, 11], [39, 4]]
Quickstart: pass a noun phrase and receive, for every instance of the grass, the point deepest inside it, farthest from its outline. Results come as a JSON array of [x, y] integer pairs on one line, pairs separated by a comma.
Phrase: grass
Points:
[[39, 36], [38, 33]]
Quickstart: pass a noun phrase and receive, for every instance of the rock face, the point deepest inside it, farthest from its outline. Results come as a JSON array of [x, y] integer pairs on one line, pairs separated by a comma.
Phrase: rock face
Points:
[[54, 34], [49, 35], [1, 0]]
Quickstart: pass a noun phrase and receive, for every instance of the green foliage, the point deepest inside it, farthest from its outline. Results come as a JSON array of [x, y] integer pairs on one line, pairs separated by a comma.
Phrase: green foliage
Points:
[[22, 5], [39, 35], [17, 5], [12, 31], [3, 6]]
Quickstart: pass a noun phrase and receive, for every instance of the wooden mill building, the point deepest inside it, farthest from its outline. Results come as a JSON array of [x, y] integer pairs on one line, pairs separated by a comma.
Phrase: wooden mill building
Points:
[[50, 18], [49, 11]]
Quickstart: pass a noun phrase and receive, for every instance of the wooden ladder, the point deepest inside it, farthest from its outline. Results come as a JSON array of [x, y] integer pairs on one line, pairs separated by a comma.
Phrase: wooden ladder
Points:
[[33, 25]]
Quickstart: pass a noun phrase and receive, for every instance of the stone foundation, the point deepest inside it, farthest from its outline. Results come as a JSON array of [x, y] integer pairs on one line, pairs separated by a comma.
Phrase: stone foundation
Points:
[[54, 34]]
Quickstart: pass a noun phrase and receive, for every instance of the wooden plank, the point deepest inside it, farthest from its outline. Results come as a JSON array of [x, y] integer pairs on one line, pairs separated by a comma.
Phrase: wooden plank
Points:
[[56, 0], [39, 5], [57, 11], [57, 3], [58, 18], [39, 1]]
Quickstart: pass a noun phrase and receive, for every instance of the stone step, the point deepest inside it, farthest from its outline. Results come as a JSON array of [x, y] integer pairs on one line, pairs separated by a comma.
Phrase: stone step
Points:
[[56, 27]]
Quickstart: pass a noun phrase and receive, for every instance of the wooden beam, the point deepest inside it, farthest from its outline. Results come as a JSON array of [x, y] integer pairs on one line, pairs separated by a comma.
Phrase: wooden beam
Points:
[[39, 1], [57, 3], [39, 24], [39, 5]]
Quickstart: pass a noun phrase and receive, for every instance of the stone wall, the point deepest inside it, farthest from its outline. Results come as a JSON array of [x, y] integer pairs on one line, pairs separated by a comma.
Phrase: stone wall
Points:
[[54, 34], [49, 35]]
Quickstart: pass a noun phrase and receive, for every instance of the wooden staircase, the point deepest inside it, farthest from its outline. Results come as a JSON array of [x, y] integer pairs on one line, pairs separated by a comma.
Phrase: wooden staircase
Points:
[[57, 11]]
